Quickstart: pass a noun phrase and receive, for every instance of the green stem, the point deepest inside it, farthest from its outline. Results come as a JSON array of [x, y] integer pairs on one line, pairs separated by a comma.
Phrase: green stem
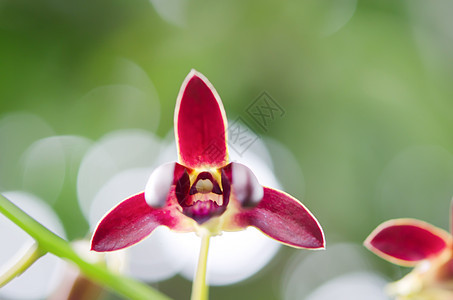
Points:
[[49, 242], [26, 259], [199, 287]]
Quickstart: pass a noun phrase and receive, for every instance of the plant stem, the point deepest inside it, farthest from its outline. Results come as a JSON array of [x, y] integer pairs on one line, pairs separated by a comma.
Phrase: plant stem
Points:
[[199, 287], [49, 242], [26, 259]]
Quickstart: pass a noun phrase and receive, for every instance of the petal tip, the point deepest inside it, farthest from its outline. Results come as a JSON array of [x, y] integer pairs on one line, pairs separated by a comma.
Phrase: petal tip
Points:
[[322, 243], [96, 245], [93, 248], [321, 246], [96, 248], [194, 73]]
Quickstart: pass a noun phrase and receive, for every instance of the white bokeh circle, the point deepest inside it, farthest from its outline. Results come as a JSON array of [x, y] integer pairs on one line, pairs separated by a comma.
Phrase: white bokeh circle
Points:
[[115, 152], [304, 274], [352, 286], [232, 257]]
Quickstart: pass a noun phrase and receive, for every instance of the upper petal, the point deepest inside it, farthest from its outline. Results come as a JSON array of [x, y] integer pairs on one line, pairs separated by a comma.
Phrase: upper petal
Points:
[[284, 219], [200, 124], [131, 221], [407, 241]]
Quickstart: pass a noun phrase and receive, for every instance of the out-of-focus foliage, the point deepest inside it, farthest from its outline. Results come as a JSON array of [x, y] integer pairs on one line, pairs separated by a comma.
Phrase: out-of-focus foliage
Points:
[[366, 88]]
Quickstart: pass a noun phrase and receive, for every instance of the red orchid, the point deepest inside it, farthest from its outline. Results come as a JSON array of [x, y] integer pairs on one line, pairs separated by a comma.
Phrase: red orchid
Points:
[[414, 243], [204, 192]]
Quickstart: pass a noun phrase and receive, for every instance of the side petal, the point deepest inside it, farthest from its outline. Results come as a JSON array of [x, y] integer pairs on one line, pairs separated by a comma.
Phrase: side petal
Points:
[[407, 241], [284, 219], [130, 222], [200, 124]]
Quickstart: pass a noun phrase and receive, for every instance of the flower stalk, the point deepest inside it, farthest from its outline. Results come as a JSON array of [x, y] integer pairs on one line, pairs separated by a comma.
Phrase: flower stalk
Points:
[[199, 286], [25, 260]]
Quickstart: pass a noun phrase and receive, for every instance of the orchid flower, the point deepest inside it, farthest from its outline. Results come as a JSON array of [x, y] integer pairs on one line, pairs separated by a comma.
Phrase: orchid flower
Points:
[[414, 243], [203, 192]]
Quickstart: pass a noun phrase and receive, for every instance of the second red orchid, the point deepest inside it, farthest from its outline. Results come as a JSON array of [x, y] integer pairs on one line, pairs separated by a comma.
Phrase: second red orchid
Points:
[[414, 243]]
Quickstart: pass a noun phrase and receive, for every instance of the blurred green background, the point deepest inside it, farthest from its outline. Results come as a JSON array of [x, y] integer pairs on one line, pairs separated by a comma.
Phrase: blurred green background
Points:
[[366, 87]]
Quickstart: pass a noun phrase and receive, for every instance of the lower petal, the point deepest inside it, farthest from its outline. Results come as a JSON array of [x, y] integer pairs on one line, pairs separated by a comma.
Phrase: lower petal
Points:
[[284, 219], [133, 220], [407, 241]]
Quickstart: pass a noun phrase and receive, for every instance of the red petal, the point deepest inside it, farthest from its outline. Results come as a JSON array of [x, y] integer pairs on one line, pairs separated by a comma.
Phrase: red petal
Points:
[[284, 219], [200, 124], [130, 222], [407, 241]]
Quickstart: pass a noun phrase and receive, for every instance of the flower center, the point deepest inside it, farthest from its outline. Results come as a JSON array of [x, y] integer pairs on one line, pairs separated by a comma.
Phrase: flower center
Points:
[[204, 198]]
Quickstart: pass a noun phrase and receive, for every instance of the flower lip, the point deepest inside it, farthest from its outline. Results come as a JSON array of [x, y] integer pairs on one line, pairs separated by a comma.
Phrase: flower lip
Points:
[[204, 198], [203, 210]]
